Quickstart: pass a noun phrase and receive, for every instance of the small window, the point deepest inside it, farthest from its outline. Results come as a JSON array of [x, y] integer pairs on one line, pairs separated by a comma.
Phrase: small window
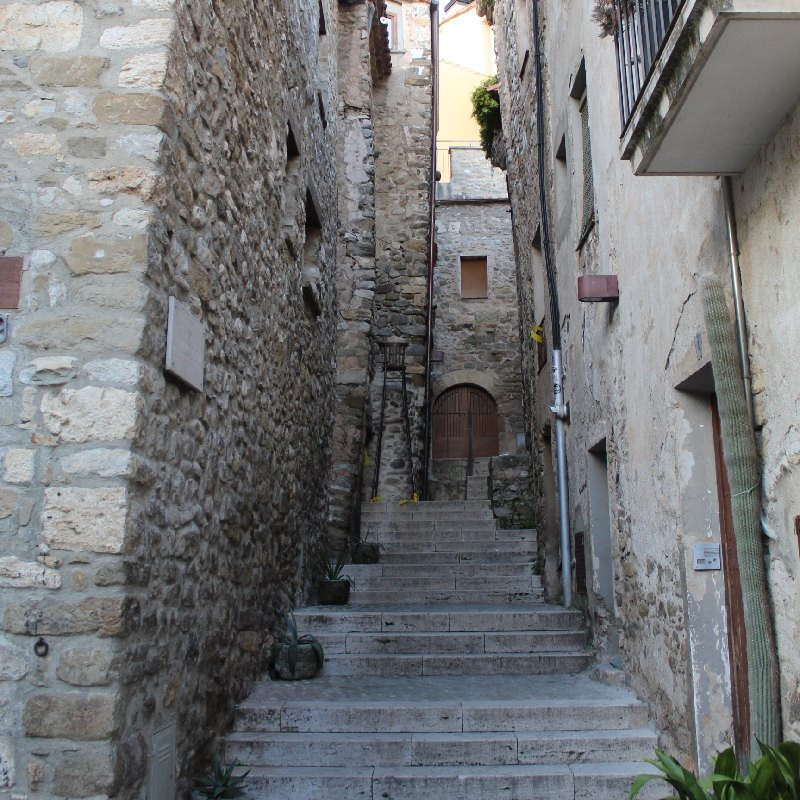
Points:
[[391, 26], [393, 20], [474, 278], [587, 217], [522, 23], [323, 28]]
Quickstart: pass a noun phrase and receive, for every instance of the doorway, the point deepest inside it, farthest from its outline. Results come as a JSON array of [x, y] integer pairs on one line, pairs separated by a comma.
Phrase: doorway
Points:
[[465, 424]]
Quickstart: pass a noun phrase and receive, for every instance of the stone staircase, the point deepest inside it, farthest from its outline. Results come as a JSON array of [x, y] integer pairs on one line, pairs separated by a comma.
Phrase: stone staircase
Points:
[[447, 676]]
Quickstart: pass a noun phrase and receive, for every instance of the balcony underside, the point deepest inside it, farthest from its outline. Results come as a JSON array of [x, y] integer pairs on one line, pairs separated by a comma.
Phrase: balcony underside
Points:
[[709, 109]]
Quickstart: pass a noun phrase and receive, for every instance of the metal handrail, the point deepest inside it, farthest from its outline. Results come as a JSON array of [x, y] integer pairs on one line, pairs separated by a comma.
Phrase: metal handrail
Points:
[[642, 28]]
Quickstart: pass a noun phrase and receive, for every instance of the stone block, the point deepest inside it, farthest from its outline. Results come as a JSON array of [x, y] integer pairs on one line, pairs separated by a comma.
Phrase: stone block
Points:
[[130, 109], [71, 715], [8, 502], [53, 27], [85, 666], [19, 465], [18, 574], [6, 235], [93, 413], [128, 180], [87, 146], [103, 463], [106, 616], [144, 145], [85, 519], [34, 144], [61, 71], [90, 254], [50, 225], [89, 772], [13, 662], [49, 371], [7, 361], [145, 71], [6, 763], [113, 370], [114, 290], [146, 33], [75, 328]]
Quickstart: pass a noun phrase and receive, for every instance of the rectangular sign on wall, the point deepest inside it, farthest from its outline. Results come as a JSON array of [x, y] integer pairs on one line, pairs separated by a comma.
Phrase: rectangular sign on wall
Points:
[[186, 345]]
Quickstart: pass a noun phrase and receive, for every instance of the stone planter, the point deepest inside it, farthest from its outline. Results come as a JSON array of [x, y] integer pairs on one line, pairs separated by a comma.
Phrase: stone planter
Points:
[[366, 553], [333, 593], [307, 665]]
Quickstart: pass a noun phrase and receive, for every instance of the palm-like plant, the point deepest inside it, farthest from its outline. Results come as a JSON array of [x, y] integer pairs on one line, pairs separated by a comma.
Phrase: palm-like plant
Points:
[[292, 641], [221, 783]]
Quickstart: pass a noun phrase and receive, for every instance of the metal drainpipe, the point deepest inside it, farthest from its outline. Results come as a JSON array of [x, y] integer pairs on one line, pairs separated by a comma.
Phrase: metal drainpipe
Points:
[[434, 10], [738, 301], [560, 408]]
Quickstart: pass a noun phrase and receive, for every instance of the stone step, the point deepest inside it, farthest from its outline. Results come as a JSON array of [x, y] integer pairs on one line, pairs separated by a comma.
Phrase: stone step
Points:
[[361, 572], [425, 515], [450, 704], [458, 535], [481, 546], [418, 664], [428, 526], [425, 505], [446, 642], [445, 582], [521, 782], [441, 617], [437, 749], [466, 596], [416, 556]]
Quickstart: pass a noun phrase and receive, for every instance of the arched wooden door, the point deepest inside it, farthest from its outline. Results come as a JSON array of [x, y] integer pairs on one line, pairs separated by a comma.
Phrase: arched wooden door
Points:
[[465, 424]]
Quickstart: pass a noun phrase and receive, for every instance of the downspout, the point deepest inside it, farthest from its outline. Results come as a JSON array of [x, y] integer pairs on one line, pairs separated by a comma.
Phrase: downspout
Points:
[[560, 408], [434, 11]]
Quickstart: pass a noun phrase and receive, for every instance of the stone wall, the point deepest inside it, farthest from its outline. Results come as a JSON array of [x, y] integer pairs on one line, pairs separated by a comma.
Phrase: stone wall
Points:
[[148, 529], [637, 379], [402, 207]]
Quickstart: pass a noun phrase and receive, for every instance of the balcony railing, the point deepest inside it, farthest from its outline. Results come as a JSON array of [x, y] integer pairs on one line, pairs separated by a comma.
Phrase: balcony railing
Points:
[[642, 27]]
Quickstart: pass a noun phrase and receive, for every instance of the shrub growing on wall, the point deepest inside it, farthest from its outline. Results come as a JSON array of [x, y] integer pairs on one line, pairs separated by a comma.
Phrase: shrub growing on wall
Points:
[[486, 110]]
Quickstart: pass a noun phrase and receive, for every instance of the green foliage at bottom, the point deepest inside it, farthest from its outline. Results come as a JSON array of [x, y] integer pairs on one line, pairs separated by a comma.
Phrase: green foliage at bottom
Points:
[[774, 775]]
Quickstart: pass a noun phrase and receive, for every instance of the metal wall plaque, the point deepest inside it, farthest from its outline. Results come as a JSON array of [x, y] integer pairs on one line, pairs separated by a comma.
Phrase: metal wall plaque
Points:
[[186, 345], [162, 765], [707, 556]]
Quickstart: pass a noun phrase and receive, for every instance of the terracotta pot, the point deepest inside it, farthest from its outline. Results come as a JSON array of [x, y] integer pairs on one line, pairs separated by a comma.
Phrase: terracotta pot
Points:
[[366, 553], [333, 593], [306, 667]]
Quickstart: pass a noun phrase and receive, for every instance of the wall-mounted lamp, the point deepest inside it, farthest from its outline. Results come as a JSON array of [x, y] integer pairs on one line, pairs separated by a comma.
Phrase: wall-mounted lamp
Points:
[[598, 289]]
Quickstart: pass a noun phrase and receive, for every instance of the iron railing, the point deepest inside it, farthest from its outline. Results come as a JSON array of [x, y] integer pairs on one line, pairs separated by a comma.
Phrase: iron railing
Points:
[[641, 28]]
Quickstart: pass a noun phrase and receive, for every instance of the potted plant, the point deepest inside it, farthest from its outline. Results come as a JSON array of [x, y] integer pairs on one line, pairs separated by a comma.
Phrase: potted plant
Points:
[[220, 783], [364, 551], [294, 657], [334, 587]]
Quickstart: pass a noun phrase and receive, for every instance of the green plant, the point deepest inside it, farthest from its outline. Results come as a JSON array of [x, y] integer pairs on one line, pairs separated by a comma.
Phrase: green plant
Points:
[[221, 782], [486, 111], [332, 569], [292, 641], [774, 775]]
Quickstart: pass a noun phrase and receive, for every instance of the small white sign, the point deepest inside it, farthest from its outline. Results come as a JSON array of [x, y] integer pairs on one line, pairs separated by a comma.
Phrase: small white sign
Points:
[[186, 345], [707, 556]]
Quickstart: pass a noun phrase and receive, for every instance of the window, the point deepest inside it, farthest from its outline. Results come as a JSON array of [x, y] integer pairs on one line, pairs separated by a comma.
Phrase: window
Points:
[[393, 20], [522, 23], [474, 278], [578, 92]]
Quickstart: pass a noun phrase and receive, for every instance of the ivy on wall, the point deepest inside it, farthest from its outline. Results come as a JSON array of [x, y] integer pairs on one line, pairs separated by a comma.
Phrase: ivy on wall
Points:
[[486, 110]]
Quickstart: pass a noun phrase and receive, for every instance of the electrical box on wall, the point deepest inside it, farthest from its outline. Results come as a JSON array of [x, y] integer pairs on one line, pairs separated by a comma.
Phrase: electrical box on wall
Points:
[[707, 556]]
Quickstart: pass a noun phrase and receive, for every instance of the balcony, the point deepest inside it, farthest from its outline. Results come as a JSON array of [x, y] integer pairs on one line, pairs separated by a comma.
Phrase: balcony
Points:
[[703, 84]]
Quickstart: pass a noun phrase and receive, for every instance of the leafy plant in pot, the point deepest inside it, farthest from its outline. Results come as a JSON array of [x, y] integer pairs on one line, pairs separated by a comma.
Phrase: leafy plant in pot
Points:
[[220, 783], [333, 588], [294, 657], [365, 552]]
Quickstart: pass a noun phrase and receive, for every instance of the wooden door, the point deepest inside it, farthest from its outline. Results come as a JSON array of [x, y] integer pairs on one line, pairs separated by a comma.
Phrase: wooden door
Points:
[[737, 638], [465, 424]]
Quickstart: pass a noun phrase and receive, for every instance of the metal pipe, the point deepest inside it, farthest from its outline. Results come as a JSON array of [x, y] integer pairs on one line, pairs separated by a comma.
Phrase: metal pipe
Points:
[[426, 458], [738, 301], [559, 407]]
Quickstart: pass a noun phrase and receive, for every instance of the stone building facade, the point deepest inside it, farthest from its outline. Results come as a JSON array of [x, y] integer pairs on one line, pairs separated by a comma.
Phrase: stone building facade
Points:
[[219, 159], [643, 476]]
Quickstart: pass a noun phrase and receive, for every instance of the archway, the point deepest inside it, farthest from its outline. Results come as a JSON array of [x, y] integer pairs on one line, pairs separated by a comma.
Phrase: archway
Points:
[[465, 423]]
